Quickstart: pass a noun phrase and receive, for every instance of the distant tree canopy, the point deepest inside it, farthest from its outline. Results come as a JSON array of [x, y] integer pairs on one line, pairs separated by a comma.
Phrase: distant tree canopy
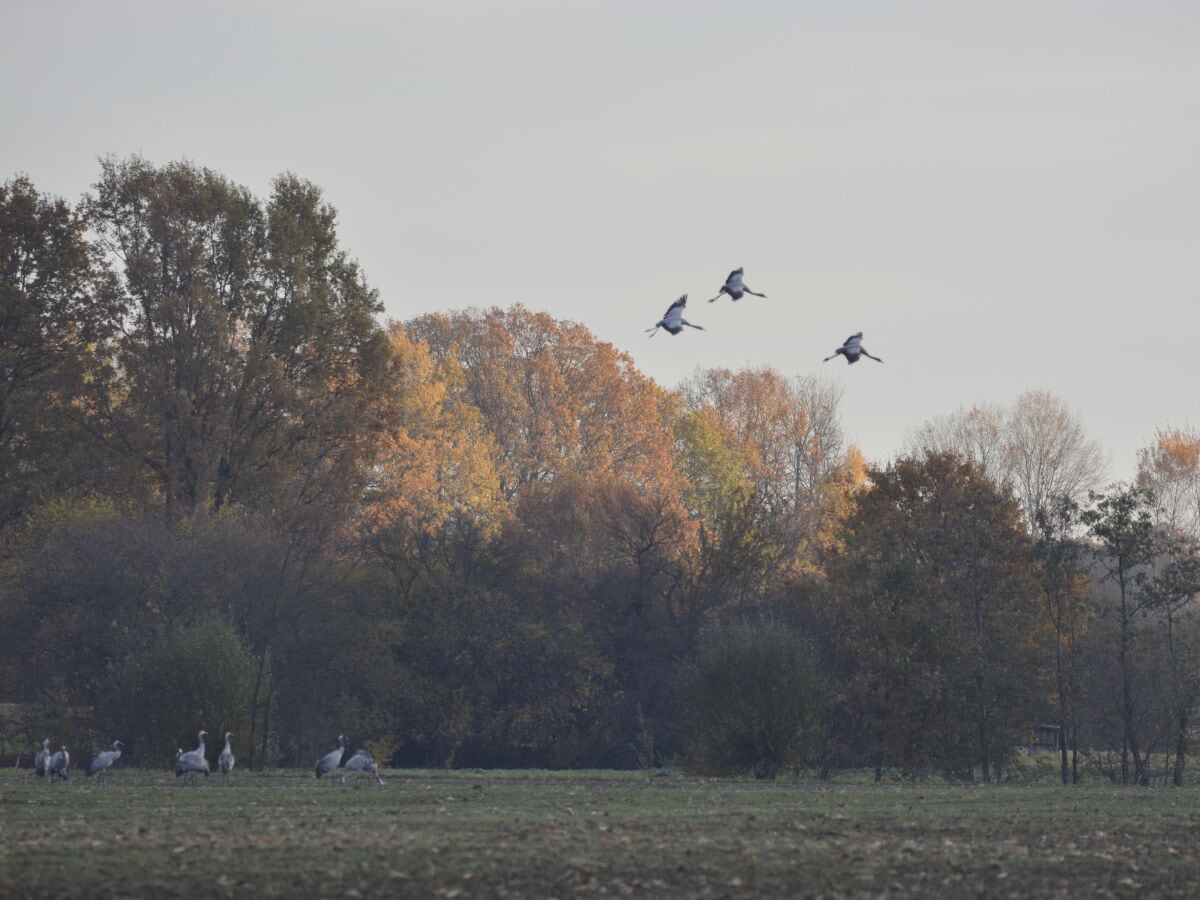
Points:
[[232, 498], [250, 368]]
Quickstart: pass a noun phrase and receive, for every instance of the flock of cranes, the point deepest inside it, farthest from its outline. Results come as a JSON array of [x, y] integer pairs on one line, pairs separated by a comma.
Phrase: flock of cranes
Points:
[[735, 288], [194, 762]]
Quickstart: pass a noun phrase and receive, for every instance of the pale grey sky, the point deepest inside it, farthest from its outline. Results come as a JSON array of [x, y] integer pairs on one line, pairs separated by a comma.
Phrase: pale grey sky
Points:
[[1002, 195]]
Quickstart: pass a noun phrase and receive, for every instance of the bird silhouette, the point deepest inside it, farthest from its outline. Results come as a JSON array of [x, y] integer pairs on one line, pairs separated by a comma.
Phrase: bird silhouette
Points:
[[673, 321], [852, 350], [735, 288]]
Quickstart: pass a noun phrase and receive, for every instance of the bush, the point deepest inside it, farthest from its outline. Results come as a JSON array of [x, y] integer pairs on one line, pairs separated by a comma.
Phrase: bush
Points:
[[196, 677], [755, 700]]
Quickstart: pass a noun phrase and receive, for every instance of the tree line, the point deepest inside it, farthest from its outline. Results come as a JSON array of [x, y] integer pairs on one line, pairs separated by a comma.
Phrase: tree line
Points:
[[232, 497]]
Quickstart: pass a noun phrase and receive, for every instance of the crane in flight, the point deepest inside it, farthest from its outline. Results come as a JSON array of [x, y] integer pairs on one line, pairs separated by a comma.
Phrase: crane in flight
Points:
[[852, 350], [735, 288], [673, 321]]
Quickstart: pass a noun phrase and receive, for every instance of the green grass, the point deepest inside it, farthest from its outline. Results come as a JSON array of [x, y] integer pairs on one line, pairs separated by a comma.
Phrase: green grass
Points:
[[540, 834]]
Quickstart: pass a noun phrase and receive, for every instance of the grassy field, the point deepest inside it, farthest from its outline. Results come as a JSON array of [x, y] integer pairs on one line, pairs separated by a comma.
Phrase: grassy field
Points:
[[545, 834]]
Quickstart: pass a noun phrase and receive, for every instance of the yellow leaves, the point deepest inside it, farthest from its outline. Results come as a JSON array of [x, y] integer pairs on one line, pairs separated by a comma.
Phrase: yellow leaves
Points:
[[1175, 453], [438, 460]]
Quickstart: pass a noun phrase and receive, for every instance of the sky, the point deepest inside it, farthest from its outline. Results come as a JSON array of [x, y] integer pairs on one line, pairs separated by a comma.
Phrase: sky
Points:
[[1003, 196]]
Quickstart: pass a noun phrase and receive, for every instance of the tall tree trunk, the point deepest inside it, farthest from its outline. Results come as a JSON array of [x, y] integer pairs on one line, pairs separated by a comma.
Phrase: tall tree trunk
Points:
[[1128, 740], [1060, 679], [1180, 747], [981, 700]]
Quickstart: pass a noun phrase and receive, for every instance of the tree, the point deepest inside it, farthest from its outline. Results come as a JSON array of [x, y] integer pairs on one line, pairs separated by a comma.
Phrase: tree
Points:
[[1121, 523], [1170, 469], [786, 430], [1064, 582], [59, 308], [755, 699], [251, 366], [936, 617], [197, 676], [436, 480], [555, 400], [1172, 594], [1037, 447]]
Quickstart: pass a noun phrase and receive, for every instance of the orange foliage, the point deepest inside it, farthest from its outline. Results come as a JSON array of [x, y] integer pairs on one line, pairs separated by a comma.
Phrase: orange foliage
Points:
[[555, 400]]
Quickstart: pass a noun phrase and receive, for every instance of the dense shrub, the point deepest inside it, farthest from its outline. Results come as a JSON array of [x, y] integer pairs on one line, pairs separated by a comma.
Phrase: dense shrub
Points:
[[192, 678], [755, 700]]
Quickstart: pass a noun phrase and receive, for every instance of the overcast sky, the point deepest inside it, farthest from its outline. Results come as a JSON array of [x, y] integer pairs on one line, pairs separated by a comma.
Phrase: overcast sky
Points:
[[1002, 195]]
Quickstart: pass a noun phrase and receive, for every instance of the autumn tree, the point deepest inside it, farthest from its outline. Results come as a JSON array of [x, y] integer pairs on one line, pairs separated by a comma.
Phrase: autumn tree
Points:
[[526, 446], [251, 364], [1170, 468], [786, 430], [59, 308], [435, 487], [785, 435], [937, 617], [554, 399]]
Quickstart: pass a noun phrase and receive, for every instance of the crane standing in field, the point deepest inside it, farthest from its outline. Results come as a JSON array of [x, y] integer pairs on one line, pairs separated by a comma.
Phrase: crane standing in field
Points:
[[194, 760], [852, 350], [735, 288], [41, 759], [59, 763], [225, 760], [362, 761], [332, 759], [673, 321], [103, 760]]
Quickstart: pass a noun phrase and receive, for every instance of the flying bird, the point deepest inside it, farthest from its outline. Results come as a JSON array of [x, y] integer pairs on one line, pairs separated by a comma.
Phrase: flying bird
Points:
[[225, 760], [332, 759], [103, 760], [193, 761], [42, 759], [673, 320], [735, 288], [59, 763], [362, 761], [852, 350]]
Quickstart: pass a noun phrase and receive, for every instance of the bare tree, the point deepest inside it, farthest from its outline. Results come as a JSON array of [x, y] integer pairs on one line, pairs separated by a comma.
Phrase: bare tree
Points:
[[1049, 453], [1037, 448]]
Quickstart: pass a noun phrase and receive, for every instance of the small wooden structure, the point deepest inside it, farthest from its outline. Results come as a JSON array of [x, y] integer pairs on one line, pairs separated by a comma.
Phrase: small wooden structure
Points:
[[1046, 739]]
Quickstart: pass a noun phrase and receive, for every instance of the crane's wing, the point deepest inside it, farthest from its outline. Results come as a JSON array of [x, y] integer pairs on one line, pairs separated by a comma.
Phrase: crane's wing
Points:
[[853, 343], [674, 313]]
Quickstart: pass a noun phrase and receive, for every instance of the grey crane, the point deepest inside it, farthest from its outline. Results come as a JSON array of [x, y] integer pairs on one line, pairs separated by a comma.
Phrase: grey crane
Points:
[[194, 760], [673, 321], [42, 758], [103, 760], [735, 288], [59, 763], [362, 761], [852, 350], [225, 760], [332, 759]]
